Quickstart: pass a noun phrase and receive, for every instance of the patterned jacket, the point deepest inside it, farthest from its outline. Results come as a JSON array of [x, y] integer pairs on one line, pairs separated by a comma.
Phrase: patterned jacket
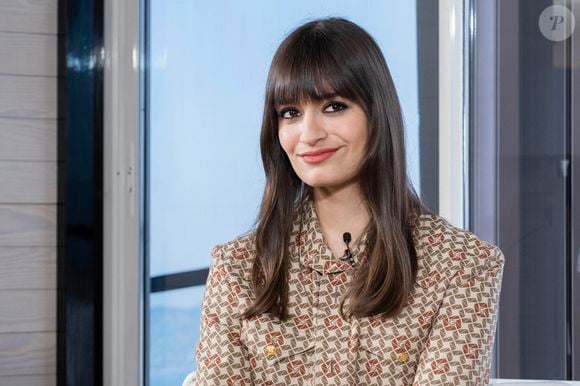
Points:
[[443, 336]]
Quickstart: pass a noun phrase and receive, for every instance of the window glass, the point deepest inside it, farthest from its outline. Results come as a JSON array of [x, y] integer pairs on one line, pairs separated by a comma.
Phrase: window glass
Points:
[[208, 63]]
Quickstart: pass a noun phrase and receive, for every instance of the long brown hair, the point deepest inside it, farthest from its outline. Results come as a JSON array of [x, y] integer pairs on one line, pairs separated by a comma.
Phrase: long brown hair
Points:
[[335, 54]]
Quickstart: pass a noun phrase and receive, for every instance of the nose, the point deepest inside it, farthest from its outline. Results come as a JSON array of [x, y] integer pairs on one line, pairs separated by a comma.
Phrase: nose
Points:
[[312, 126]]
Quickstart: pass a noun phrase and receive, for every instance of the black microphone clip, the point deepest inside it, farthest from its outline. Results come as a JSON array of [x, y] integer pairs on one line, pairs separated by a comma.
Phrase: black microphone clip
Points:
[[347, 253]]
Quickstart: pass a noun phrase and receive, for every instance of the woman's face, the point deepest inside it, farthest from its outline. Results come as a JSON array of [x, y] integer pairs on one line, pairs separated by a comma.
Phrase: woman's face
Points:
[[334, 123]]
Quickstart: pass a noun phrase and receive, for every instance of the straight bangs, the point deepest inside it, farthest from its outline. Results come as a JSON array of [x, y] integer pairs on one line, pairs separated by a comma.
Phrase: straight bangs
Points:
[[309, 70]]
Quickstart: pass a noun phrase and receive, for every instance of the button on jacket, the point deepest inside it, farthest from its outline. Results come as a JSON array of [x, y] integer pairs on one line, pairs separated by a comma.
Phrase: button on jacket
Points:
[[443, 336]]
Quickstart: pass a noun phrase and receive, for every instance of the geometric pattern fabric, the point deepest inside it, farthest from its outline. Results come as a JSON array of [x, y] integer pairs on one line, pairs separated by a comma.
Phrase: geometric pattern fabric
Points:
[[443, 336]]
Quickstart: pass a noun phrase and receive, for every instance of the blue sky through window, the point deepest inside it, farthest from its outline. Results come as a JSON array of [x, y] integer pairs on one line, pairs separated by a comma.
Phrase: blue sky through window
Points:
[[208, 68]]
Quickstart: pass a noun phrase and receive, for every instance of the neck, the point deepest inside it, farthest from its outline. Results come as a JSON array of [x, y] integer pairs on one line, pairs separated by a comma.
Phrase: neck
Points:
[[341, 211]]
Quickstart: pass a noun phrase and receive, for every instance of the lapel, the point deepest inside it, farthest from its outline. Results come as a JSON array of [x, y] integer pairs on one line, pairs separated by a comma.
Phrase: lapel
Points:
[[311, 249]]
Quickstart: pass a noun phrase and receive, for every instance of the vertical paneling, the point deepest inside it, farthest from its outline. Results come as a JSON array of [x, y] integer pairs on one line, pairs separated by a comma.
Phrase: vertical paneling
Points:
[[30, 380], [28, 198], [28, 268], [38, 16], [27, 310], [28, 182], [27, 225], [28, 54], [28, 139], [28, 97], [30, 353]]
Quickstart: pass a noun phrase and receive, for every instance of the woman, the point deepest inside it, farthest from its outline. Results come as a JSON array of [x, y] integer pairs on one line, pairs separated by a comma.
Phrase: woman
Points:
[[347, 279]]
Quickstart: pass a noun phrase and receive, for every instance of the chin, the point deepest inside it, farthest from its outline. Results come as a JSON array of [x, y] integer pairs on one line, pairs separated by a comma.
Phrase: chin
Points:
[[323, 178], [320, 183]]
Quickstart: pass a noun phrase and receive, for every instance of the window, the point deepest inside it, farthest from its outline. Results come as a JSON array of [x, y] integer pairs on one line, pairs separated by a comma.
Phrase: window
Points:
[[207, 71], [494, 149]]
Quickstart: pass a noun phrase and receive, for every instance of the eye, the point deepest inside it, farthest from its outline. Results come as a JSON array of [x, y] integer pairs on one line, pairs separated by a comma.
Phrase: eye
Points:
[[337, 106], [282, 113], [292, 112]]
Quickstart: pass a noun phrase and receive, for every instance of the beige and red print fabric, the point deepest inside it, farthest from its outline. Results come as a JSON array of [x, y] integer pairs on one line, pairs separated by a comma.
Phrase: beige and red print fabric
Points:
[[443, 336]]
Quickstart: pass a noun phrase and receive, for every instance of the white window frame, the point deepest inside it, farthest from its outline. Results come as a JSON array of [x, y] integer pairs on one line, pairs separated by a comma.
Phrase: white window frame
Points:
[[123, 265], [453, 115]]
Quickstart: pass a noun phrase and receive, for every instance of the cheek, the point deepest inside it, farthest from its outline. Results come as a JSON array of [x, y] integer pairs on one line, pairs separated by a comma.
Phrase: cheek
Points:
[[362, 134], [286, 140]]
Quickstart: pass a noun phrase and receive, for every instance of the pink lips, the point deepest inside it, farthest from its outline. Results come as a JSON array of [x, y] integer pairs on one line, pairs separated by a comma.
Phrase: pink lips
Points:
[[318, 157]]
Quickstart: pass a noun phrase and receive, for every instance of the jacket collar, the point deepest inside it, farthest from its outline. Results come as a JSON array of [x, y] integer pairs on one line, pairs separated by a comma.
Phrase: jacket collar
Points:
[[312, 250]]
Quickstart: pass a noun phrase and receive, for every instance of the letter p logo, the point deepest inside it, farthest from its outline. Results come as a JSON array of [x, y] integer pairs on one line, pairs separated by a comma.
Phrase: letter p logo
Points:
[[556, 23]]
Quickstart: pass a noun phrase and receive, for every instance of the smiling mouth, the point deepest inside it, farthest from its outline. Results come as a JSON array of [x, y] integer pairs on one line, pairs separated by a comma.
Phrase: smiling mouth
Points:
[[320, 157], [317, 152]]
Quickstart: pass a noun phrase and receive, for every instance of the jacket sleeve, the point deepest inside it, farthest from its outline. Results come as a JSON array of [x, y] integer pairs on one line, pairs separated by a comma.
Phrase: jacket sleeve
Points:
[[459, 347], [220, 355]]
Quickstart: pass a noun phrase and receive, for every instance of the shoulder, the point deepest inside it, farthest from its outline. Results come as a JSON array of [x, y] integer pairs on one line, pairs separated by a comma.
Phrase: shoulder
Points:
[[236, 254], [447, 247]]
